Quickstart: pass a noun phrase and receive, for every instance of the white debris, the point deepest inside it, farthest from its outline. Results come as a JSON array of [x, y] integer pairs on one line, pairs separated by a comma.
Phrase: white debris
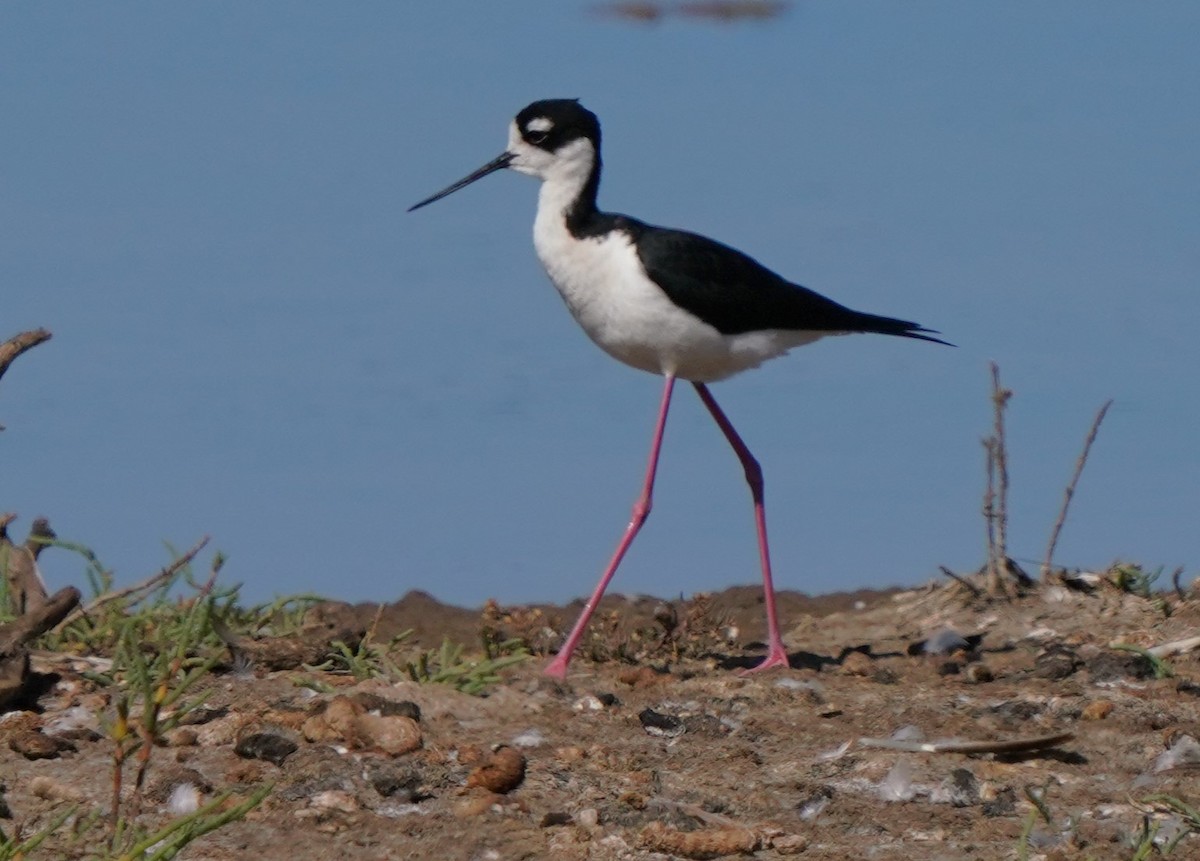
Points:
[[1185, 752], [184, 799], [897, 785], [836, 753], [530, 738], [945, 641]]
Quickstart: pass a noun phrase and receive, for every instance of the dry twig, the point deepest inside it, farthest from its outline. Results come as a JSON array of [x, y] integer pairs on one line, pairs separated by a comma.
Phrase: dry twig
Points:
[[1015, 745], [145, 586], [1070, 491], [995, 500], [18, 344]]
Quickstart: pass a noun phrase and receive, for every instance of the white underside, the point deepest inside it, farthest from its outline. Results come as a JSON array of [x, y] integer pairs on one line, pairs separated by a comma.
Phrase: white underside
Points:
[[631, 318]]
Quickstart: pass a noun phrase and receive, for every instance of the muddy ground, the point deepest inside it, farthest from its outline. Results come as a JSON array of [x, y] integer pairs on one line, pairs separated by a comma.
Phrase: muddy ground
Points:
[[653, 756]]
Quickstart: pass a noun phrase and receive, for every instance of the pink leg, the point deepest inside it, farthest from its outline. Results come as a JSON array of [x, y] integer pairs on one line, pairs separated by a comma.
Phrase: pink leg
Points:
[[776, 653], [641, 510]]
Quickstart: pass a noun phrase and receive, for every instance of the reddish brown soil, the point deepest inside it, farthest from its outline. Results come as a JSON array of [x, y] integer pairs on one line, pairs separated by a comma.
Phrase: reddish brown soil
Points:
[[763, 766]]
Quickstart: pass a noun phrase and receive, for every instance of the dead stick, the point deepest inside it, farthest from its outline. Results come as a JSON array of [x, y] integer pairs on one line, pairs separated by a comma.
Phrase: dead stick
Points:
[[961, 580], [998, 460], [18, 344], [1017, 745], [36, 622], [1070, 491], [148, 583]]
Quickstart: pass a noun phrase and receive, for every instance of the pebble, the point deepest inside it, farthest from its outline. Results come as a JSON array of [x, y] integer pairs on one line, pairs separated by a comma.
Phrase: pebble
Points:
[[50, 789], [399, 785], [857, 664], [32, 744], [335, 799], [1097, 710], [978, 674], [789, 844], [392, 734], [704, 843], [589, 817], [661, 725], [1057, 662], [269, 746], [502, 772], [181, 736]]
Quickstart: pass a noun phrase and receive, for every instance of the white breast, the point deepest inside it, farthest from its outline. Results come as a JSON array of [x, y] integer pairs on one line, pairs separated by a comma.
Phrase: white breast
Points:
[[629, 316]]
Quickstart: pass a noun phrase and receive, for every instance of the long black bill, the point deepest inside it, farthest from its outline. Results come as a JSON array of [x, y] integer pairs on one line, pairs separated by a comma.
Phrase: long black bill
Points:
[[492, 166]]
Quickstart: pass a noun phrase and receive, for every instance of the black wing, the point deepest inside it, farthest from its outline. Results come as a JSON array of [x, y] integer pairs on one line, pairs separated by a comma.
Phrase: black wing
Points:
[[734, 293]]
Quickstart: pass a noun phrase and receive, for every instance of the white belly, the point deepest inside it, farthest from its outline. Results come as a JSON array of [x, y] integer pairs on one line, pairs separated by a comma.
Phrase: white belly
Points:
[[630, 317]]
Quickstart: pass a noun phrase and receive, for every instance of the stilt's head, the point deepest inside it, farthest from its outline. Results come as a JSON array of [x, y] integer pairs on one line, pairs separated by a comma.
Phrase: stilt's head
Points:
[[553, 139]]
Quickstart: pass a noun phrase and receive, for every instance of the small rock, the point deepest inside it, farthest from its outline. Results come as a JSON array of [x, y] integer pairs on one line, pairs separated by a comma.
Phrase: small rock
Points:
[[202, 714], [1111, 666], [555, 818], [272, 747], [1056, 662], [335, 722], [392, 734], [608, 700], [1184, 752], [373, 702], [588, 703], [949, 668], [571, 753], [17, 723], [530, 738], [476, 804], [34, 745], [589, 817], [335, 799], [705, 725], [789, 844], [402, 785], [857, 664], [978, 674], [181, 736], [220, 731], [1003, 803], [1097, 710], [502, 772], [961, 789], [641, 677], [704, 843], [662, 725], [50, 789], [943, 642]]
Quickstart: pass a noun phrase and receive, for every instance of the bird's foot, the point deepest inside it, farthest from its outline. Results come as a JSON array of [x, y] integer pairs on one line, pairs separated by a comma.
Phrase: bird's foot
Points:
[[557, 669], [776, 657]]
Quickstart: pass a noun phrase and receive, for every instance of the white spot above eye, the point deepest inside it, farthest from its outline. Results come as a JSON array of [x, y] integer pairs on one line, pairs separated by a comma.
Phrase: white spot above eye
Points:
[[539, 124]]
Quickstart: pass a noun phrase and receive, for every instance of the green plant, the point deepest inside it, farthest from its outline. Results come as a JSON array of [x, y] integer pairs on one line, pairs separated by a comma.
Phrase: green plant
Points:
[[1162, 669], [163, 646], [449, 666]]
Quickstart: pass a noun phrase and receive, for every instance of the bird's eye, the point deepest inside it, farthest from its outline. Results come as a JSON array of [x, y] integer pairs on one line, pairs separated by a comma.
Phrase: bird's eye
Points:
[[536, 137]]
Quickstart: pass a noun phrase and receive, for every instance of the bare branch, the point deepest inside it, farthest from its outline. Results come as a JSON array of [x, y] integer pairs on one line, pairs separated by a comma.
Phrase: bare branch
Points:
[[1070, 491], [145, 586]]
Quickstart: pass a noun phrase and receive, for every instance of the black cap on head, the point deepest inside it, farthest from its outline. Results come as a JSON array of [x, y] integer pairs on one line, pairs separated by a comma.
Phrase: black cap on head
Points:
[[550, 123]]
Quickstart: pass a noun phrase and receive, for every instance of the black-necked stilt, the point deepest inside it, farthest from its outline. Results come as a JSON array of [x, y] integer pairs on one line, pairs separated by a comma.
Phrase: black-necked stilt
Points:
[[664, 301]]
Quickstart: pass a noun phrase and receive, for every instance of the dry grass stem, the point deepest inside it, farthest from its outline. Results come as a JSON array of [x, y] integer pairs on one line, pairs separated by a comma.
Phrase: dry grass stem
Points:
[[1069, 493], [995, 501], [145, 586]]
